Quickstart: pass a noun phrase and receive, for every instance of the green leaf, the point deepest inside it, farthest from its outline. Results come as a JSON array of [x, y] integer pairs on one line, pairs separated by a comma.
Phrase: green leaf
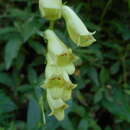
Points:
[[2, 67], [119, 105], [25, 88], [94, 76], [67, 124], [115, 68], [78, 109], [83, 125], [12, 126], [108, 128], [129, 4], [6, 104], [6, 79], [81, 98], [123, 29], [99, 95], [2, 128], [39, 48], [22, 14], [19, 62], [104, 76], [32, 75], [93, 124], [29, 28], [6, 30], [34, 115], [11, 51]]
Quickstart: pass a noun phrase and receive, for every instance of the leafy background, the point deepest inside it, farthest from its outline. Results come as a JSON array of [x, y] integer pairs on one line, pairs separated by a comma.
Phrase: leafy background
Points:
[[102, 99]]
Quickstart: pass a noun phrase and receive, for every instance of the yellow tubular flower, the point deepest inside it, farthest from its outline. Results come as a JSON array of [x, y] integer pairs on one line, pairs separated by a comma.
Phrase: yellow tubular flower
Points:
[[50, 9], [58, 50], [57, 106], [76, 28], [58, 83], [52, 71], [51, 62], [59, 88]]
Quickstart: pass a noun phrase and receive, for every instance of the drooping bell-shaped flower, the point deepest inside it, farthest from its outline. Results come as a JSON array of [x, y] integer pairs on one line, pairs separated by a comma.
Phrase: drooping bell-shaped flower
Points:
[[52, 66], [63, 92], [50, 9], [57, 106], [78, 33], [59, 86], [58, 50], [57, 80], [59, 89]]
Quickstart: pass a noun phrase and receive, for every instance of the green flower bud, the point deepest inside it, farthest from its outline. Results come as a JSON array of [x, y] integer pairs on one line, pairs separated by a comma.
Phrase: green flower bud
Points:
[[76, 28], [58, 50], [57, 106], [50, 9]]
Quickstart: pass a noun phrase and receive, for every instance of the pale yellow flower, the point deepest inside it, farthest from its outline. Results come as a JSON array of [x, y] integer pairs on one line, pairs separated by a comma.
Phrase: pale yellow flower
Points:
[[52, 66], [57, 106], [58, 50], [60, 89], [78, 33], [50, 9]]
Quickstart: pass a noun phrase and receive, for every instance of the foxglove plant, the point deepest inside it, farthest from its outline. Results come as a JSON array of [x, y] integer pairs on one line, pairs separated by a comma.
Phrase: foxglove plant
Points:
[[60, 58]]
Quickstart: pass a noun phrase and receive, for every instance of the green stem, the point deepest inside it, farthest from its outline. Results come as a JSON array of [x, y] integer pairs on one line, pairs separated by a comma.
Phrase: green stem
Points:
[[51, 26], [42, 109], [124, 68], [105, 11]]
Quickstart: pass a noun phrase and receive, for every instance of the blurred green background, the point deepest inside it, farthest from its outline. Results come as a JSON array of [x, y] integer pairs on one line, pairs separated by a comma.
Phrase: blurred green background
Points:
[[102, 99]]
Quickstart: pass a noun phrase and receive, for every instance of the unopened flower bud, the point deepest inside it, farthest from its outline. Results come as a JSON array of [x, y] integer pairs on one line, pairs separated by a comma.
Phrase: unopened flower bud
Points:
[[50, 9], [78, 33]]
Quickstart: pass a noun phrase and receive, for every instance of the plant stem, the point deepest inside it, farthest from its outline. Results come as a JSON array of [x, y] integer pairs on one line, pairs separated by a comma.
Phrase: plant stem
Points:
[[51, 25], [105, 11], [124, 69]]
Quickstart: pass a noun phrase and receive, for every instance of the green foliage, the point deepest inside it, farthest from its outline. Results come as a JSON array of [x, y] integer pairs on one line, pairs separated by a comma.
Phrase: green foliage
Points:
[[102, 98]]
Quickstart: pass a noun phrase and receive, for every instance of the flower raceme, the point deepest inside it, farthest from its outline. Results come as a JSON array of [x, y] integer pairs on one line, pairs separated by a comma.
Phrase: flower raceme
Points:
[[50, 9], [60, 58], [60, 63], [76, 28]]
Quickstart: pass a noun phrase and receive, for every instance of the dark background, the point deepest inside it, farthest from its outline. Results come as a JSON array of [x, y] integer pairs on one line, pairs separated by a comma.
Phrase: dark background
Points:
[[102, 99]]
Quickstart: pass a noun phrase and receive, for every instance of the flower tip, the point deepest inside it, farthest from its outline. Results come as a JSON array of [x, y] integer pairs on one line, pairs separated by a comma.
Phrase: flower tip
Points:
[[87, 40], [59, 113]]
